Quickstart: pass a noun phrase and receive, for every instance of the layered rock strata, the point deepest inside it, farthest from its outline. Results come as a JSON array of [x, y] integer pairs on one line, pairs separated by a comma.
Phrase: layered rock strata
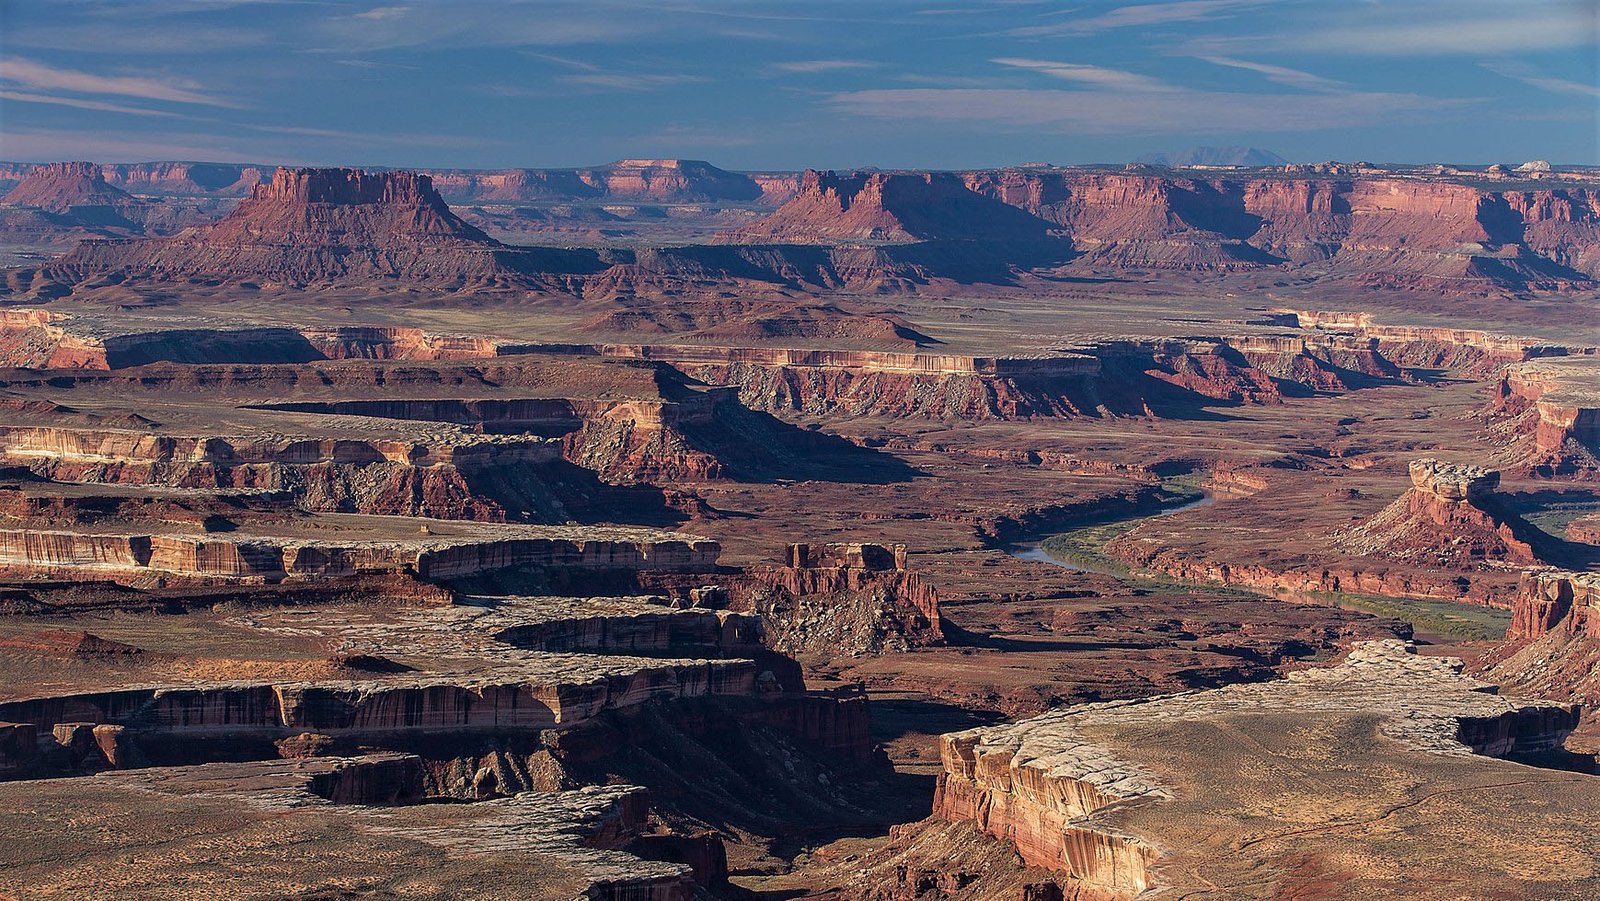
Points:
[[1068, 799], [1450, 517], [1553, 405], [430, 550], [846, 598], [555, 845]]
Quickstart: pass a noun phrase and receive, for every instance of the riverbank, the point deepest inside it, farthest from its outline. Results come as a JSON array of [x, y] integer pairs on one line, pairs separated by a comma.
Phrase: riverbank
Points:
[[1083, 549]]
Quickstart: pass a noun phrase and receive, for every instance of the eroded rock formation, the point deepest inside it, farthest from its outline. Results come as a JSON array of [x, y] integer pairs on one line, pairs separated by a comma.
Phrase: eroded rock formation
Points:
[[1553, 405], [846, 599], [1451, 518], [1069, 792], [555, 844]]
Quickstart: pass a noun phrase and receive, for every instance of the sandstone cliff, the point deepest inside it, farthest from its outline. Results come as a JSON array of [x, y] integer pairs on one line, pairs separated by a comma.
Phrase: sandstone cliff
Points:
[[1553, 647], [319, 226], [1449, 518], [1070, 790], [891, 208], [1553, 406]]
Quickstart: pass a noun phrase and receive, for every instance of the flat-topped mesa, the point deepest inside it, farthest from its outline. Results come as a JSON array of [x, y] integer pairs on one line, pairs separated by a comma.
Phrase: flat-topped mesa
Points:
[[1072, 790], [1551, 599], [547, 844], [326, 227], [1555, 404], [356, 546], [348, 207], [346, 186], [434, 476], [891, 207], [1449, 518], [60, 187], [1472, 353], [845, 596], [1453, 481]]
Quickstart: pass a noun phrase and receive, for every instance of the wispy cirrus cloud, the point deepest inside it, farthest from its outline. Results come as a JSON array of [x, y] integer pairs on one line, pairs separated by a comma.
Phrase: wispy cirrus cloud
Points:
[[1284, 75], [1096, 76], [1140, 15], [1180, 111], [360, 138], [1543, 82], [109, 145], [40, 76], [98, 106], [812, 66], [1417, 29], [623, 81]]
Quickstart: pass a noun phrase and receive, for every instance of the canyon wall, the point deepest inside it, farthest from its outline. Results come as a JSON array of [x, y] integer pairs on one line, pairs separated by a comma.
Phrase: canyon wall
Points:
[[268, 559]]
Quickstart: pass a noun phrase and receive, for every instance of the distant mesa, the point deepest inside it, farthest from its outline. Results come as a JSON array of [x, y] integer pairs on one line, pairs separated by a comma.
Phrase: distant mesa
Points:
[[59, 202], [655, 180], [64, 187], [893, 208], [863, 231], [1451, 517], [1249, 157], [316, 226]]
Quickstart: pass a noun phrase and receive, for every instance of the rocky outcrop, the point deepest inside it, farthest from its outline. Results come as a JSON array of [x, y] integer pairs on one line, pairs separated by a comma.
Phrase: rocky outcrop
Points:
[[66, 202], [883, 207], [1380, 231], [1449, 518], [1552, 649], [576, 841], [321, 226], [267, 558], [662, 181], [1553, 405], [1369, 577], [1584, 529], [395, 477], [1067, 791], [1471, 353], [851, 598], [1374, 230], [1549, 599], [67, 187]]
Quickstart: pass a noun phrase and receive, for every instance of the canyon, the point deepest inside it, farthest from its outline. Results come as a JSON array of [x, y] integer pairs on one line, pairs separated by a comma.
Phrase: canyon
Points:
[[669, 226], [653, 531]]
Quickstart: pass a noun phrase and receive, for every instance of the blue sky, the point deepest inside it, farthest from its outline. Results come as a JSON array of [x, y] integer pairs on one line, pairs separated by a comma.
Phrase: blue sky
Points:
[[752, 85]]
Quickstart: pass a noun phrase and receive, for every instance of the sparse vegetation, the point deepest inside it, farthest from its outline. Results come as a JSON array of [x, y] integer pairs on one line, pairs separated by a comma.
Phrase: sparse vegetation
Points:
[[1084, 547]]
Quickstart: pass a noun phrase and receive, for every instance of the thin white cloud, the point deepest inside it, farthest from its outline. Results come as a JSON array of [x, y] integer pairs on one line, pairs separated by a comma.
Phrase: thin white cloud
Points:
[[1527, 30], [39, 76], [1545, 82], [580, 65], [370, 138], [80, 103], [1464, 28], [810, 66], [1177, 112], [112, 146], [1279, 74], [378, 13], [630, 82], [1095, 76], [1141, 15]]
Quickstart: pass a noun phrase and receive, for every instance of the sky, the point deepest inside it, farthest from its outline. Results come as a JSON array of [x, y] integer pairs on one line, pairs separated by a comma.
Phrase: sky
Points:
[[781, 84]]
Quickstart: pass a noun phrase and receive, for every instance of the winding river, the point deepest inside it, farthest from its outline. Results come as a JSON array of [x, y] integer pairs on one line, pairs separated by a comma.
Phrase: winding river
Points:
[[1034, 550]]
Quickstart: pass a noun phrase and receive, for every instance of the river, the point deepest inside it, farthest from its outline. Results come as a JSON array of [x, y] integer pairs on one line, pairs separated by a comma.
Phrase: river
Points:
[[1034, 550]]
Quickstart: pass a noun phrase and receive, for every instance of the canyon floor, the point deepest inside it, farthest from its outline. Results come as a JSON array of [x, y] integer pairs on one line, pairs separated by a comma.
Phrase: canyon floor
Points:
[[1096, 582]]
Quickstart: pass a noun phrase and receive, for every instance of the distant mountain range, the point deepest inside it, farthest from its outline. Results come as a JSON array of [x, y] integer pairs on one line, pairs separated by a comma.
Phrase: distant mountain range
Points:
[[1213, 156]]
